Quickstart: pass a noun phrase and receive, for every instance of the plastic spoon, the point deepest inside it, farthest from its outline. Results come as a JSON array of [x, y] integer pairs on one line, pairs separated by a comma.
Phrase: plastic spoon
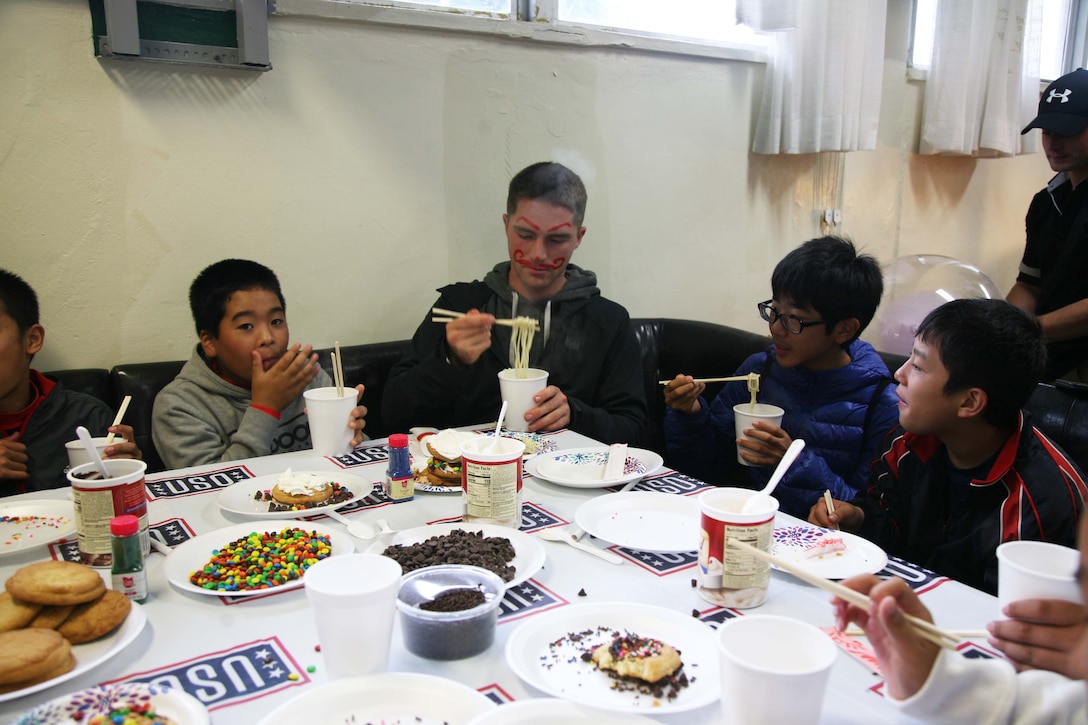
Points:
[[564, 536], [494, 447], [358, 529], [784, 465], [85, 436], [384, 526]]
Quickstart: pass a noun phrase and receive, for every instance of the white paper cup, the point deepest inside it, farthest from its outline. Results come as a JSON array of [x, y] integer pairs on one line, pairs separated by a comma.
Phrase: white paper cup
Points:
[[329, 416], [518, 394], [744, 415], [1036, 570], [96, 501], [773, 670], [732, 577], [77, 452], [353, 599], [491, 478]]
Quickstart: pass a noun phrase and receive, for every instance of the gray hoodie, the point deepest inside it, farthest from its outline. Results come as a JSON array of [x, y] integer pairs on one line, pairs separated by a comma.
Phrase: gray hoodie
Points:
[[201, 418]]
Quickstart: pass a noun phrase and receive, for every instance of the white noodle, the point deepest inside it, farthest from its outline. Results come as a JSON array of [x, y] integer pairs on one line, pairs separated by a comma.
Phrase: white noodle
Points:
[[524, 330]]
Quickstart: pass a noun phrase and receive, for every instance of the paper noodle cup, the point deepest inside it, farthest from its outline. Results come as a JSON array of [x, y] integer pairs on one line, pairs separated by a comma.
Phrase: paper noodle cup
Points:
[[359, 588], [773, 670], [96, 501], [1036, 570], [732, 577], [329, 416], [77, 452], [518, 394], [744, 415]]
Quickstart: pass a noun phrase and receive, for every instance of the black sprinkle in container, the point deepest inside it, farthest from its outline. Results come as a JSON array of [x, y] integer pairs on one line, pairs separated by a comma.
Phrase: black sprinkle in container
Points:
[[448, 635]]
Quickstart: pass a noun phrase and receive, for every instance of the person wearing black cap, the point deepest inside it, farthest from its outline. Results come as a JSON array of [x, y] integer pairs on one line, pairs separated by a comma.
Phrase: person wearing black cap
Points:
[[1053, 279]]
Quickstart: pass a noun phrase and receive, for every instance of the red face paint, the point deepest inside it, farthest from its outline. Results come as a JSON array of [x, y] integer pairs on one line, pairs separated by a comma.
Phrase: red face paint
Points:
[[528, 223], [520, 258]]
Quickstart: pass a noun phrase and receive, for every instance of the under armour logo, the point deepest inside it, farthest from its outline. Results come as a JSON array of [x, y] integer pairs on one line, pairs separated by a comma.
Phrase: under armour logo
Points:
[[1064, 95]]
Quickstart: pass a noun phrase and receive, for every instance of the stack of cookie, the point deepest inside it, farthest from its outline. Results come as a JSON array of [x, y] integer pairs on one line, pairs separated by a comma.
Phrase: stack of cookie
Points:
[[46, 608]]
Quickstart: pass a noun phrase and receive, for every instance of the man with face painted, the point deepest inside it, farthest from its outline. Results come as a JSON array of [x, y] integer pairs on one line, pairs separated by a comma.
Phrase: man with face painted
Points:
[[585, 342]]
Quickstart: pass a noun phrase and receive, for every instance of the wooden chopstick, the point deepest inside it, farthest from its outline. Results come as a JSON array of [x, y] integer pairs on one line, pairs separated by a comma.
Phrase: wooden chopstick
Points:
[[338, 369], [965, 633], [830, 504], [927, 630], [440, 315], [117, 418], [730, 379]]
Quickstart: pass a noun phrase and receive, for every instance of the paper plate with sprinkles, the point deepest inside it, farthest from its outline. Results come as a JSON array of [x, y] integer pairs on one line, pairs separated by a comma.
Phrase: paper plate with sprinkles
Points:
[[245, 560], [30, 524]]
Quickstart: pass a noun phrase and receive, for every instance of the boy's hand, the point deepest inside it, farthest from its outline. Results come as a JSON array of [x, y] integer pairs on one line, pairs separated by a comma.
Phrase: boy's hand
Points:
[[552, 410], [904, 656], [769, 446], [125, 445], [1042, 634], [682, 394], [358, 418], [13, 459], [847, 516], [281, 384], [469, 337]]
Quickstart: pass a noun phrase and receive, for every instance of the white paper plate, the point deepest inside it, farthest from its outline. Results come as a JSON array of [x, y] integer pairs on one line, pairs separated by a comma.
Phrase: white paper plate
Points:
[[861, 556], [560, 671], [50, 520], [238, 497], [643, 520], [176, 704], [389, 697], [584, 467], [529, 554], [548, 711], [90, 655], [196, 552]]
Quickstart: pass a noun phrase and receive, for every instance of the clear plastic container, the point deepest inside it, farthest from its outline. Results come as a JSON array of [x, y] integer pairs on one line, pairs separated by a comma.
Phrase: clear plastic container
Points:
[[439, 635]]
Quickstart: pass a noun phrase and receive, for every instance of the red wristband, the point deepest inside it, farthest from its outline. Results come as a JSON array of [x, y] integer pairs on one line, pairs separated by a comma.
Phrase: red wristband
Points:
[[274, 413]]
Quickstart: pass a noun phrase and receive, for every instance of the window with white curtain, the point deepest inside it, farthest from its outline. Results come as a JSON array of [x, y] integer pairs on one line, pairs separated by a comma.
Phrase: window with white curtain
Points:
[[706, 22], [1064, 31]]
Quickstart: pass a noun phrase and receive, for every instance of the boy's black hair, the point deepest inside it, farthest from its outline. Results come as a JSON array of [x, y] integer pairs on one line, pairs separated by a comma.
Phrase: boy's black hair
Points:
[[19, 300], [988, 344], [212, 288], [550, 182], [828, 275]]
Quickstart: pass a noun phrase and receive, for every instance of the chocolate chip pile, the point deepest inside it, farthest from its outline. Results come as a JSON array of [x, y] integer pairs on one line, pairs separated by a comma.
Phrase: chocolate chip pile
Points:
[[455, 600], [457, 547]]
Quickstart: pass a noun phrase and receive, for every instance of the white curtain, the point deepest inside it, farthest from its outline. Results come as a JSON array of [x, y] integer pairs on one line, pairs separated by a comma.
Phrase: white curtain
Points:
[[983, 83], [823, 83]]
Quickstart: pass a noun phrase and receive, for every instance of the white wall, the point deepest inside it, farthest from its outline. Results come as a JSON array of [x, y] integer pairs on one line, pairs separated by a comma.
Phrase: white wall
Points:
[[370, 167]]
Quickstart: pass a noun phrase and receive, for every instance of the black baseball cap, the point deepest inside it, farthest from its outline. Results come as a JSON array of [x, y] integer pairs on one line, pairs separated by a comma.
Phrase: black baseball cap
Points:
[[1063, 107]]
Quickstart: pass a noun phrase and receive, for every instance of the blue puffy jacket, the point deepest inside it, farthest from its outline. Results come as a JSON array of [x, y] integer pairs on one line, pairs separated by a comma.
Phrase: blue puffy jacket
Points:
[[827, 408]]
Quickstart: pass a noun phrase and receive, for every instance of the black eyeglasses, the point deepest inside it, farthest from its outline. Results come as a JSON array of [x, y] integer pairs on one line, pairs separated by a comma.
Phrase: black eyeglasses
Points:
[[790, 323]]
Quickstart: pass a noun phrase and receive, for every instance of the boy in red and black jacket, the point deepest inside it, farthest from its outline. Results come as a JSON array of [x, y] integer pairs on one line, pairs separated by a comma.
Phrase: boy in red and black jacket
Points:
[[37, 414], [966, 470]]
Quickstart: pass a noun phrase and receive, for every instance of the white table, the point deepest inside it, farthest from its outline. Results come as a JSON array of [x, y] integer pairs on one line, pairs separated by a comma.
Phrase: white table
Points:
[[209, 645]]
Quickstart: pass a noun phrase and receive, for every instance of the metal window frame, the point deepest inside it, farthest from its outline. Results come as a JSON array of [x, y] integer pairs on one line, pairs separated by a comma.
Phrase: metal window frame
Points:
[[122, 35]]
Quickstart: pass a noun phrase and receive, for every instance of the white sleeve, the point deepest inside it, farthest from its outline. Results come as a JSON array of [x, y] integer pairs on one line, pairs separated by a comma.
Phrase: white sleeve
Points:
[[973, 692]]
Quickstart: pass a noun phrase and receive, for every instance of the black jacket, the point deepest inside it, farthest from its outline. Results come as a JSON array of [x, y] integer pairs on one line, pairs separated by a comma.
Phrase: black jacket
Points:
[[590, 353], [915, 509]]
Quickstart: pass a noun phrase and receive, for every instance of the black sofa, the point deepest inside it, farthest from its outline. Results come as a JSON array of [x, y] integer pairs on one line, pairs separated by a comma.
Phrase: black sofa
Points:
[[669, 346]]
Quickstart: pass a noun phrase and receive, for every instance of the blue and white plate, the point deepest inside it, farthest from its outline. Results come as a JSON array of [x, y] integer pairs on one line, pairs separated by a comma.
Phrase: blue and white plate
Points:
[[584, 467]]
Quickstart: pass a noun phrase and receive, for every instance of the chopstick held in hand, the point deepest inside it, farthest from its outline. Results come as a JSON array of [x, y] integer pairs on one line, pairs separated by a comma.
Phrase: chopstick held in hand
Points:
[[830, 505], [118, 417], [926, 630]]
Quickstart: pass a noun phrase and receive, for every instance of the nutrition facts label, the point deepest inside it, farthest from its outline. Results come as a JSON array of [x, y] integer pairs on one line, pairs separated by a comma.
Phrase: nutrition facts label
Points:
[[491, 490]]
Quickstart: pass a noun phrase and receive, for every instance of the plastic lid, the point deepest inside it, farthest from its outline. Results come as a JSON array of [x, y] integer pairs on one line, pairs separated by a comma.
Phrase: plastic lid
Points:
[[398, 440], [124, 525]]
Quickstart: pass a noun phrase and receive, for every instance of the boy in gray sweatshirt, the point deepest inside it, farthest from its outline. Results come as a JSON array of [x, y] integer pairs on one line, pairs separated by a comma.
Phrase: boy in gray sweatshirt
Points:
[[240, 394]]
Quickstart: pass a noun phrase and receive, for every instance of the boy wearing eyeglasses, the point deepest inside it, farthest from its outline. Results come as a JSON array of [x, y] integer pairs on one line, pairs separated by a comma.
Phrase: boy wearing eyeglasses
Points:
[[833, 387]]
